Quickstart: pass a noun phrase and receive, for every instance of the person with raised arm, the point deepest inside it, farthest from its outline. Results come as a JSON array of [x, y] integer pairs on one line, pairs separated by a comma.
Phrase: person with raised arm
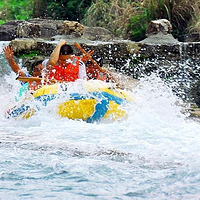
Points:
[[33, 77], [36, 67], [63, 65]]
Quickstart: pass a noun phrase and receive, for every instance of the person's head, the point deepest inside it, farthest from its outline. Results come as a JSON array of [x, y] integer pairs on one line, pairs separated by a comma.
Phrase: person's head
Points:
[[65, 53], [36, 68], [66, 50]]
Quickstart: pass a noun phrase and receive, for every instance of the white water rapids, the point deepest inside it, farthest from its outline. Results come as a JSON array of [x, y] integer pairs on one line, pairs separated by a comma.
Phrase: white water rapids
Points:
[[154, 154]]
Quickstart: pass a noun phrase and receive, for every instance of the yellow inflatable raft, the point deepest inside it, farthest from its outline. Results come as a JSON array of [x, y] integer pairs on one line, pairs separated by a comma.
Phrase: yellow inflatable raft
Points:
[[86, 100]]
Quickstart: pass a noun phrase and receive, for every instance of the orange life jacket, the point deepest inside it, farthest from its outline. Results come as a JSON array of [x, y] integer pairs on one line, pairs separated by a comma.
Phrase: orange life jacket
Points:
[[68, 72]]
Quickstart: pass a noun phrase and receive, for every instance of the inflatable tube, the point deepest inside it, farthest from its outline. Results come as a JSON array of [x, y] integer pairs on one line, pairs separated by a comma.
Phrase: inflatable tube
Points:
[[89, 101]]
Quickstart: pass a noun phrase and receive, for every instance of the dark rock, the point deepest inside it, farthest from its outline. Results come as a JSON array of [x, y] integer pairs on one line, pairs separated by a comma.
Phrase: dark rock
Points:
[[28, 62], [195, 92], [28, 30], [8, 31], [13, 22], [97, 33], [48, 27]]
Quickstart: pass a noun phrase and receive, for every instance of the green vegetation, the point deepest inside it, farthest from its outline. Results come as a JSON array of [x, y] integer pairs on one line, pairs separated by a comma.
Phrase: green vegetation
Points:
[[15, 9], [129, 19], [55, 9], [31, 54], [124, 18], [183, 14], [67, 9], [113, 15], [139, 25]]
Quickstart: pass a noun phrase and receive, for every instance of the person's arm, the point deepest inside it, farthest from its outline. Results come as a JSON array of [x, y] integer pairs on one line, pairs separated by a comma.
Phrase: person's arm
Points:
[[55, 54], [8, 52]]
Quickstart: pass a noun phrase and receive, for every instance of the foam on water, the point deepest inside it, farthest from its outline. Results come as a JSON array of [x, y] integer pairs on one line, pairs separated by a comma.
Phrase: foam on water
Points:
[[154, 154]]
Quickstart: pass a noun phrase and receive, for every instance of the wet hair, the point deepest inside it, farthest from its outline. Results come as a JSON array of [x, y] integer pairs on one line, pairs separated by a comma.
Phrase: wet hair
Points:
[[97, 58], [34, 64], [66, 50]]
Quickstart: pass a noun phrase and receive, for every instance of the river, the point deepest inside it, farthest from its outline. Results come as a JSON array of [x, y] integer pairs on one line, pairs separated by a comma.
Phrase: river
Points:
[[154, 154]]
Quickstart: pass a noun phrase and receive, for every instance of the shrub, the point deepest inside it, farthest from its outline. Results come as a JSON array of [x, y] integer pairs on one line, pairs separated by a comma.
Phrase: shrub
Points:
[[111, 14], [130, 19], [16, 9]]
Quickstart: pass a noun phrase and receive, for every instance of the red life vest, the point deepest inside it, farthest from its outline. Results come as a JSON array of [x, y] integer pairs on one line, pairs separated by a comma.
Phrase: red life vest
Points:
[[67, 72]]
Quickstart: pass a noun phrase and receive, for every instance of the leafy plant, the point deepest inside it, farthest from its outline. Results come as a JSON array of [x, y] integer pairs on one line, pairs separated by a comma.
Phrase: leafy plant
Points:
[[2, 22], [32, 53], [16, 9], [67, 9], [139, 25]]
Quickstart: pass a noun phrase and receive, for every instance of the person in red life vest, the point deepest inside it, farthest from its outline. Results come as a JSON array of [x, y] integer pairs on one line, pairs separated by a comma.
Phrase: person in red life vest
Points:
[[93, 71], [96, 73], [36, 67], [63, 65]]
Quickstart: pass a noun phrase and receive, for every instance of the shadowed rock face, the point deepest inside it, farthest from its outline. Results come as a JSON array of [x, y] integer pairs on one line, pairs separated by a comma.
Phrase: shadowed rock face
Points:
[[48, 29], [8, 31], [97, 33]]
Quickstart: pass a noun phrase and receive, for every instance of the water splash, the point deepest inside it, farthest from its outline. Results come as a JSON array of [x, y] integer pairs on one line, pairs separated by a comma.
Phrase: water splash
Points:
[[154, 154]]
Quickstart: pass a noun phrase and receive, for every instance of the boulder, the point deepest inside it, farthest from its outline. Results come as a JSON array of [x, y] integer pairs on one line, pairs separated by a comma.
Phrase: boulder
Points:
[[157, 26], [48, 27], [51, 29], [21, 46], [8, 31], [159, 32], [69, 27], [97, 33], [28, 30]]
